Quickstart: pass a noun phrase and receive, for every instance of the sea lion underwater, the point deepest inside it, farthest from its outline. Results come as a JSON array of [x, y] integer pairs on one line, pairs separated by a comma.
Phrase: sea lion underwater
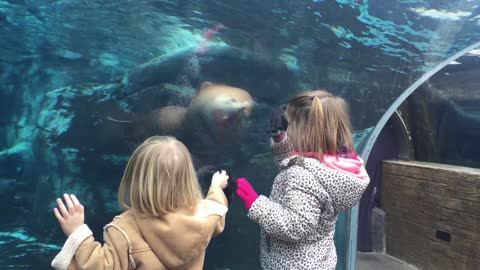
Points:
[[218, 110], [211, 125]]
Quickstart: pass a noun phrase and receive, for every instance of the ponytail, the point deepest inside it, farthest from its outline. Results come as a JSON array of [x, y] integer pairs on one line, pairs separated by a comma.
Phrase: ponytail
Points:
[[316, 119]]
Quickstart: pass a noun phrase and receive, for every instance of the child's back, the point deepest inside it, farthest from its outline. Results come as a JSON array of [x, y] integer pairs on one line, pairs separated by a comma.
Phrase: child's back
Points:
[[166, 225], [320, 177], [316, 194]]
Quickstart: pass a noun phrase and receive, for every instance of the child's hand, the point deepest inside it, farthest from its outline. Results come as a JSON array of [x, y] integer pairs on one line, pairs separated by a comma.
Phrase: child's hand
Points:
[[73, 217], [246, 192], [220, 179], [278, 121]]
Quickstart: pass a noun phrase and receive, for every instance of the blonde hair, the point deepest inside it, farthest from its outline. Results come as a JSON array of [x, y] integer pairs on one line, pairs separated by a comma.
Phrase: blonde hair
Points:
[[159, 178], [319, 122]]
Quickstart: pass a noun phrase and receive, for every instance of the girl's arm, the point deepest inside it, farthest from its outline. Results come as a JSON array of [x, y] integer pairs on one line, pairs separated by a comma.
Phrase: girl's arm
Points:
[[215, 206], [81, 251], [217, 195], [212, 213], [279, 142], [299, 214], [281, 148]]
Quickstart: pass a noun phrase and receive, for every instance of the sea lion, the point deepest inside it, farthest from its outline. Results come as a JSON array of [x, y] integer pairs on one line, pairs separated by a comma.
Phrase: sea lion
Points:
[[218, 110], [213, 121], [211, 126]]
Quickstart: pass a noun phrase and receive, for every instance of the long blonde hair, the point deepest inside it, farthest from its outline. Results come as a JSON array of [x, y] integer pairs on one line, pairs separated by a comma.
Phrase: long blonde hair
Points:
[[159, 178], [319, 122]]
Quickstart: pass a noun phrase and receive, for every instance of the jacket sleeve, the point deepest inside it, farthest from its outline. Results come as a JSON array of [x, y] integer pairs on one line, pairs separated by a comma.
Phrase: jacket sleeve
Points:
[[219, 209], [298, 216], [349, 191], [81, 251], [213, 213], [281, 150]]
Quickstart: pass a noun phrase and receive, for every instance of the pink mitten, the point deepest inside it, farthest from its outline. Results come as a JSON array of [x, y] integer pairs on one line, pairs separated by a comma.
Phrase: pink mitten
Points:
[[246, 192]]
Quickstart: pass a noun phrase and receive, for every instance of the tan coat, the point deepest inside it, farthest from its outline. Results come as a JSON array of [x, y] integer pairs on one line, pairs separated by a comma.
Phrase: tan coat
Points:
[[174, 241]]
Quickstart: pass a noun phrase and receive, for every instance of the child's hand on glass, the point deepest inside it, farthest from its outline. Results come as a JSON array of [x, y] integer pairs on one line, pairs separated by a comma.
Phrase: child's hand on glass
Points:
[[279, 123], [220, 179], [70, 217]]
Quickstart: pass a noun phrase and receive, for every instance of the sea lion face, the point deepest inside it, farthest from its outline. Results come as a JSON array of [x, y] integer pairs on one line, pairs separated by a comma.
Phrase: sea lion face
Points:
[[229, 115], [224, 109]]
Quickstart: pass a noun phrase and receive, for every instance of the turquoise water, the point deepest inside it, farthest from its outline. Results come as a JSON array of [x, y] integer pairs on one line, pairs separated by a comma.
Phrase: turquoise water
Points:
[[68, 67]]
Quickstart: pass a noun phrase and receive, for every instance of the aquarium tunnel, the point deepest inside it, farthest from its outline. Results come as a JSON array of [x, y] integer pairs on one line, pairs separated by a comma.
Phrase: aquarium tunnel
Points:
[[83, 82]]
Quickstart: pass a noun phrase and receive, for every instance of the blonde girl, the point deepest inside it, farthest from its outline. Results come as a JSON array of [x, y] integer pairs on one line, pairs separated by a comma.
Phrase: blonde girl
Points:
[[166, 223]]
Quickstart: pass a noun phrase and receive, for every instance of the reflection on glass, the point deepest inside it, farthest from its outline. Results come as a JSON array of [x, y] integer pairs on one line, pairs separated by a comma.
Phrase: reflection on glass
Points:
[[444, 114], [83, 82]]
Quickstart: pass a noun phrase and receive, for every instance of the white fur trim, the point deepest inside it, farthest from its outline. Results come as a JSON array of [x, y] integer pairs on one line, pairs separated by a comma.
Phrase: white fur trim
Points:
[[65, 256], [208, 207]]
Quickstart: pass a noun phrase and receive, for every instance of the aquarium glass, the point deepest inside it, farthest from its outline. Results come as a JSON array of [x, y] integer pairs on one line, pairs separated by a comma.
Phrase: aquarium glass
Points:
[[83, 82], [443, 114]]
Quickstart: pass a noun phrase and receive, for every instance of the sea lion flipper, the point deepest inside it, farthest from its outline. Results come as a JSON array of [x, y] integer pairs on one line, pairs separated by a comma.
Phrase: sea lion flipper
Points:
[[109, 118]]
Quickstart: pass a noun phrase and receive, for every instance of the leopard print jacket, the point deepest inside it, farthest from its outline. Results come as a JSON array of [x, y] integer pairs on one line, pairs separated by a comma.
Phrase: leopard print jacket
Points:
[[298, 219]]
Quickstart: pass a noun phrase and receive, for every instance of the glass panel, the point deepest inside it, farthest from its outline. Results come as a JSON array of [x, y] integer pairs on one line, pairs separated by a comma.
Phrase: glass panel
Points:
[[444, 114], [84, 81]]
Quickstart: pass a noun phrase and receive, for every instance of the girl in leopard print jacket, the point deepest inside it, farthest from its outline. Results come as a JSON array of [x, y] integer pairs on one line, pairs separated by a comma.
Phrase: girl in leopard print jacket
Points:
[[320, 177]]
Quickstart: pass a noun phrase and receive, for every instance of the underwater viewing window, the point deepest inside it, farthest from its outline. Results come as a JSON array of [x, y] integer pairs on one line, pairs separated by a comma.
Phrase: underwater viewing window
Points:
[[83, 82], [434, 120]]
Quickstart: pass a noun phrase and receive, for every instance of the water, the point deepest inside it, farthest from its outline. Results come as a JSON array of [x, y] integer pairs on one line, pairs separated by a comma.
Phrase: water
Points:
[[67, 67]]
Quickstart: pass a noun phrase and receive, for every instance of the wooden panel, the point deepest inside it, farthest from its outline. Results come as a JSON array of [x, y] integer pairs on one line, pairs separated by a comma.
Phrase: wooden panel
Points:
[[433, 172], [461, 190], [404, 195], [423, 199], [454, 225]]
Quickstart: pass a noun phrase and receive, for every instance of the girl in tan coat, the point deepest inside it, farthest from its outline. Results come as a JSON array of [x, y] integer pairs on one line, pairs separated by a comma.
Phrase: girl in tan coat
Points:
[[166, 224]]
